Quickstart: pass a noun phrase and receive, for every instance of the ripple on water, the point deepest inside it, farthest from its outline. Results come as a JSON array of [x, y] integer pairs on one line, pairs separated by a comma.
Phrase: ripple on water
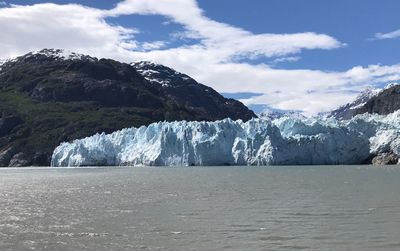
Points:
[[201, 209]]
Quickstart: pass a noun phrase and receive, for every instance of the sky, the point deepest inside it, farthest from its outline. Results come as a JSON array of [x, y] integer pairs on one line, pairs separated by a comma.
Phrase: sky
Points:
[[305, 55]]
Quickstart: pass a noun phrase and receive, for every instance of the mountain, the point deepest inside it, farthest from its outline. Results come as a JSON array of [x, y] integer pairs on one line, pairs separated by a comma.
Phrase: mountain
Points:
[[385, 102], [182, 89], [380, 101], [349, 110], [51, 96]]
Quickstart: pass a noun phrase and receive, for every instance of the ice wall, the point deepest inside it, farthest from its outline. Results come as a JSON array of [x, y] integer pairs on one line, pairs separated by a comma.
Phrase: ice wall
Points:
[[256, 142]]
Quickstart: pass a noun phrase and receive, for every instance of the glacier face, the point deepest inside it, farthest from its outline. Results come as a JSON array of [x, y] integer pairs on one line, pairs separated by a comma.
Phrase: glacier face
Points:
[[226, 142], [272, 114]]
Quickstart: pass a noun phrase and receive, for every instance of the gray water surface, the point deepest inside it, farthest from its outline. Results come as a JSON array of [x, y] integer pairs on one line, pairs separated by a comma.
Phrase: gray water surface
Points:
[[212, 208]]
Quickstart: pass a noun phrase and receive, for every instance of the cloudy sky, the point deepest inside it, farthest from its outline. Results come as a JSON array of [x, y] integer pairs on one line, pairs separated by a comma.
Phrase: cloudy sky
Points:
[[307, 55]]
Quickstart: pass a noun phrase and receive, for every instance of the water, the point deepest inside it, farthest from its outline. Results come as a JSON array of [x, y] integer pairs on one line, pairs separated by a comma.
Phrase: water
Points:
[[280, 208]]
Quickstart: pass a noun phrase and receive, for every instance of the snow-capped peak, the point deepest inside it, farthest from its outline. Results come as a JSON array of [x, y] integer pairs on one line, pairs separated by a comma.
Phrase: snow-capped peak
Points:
[[144, 63], [61, 54], [347, 111], [58, 54], [390, 85], [160, 74], [364, 96], [4, 61]]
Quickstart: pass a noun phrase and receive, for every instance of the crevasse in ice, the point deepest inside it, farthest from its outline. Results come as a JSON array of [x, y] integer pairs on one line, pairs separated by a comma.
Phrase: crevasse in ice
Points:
[[256, 142]]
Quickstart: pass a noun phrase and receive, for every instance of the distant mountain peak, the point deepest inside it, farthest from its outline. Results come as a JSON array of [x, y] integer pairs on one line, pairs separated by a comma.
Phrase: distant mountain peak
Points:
[[390, 85], [364, 96], [346, 111], [349, 110]]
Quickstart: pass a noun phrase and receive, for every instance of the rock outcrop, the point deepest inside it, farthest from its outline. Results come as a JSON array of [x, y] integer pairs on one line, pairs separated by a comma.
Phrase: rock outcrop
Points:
[[385, 159]]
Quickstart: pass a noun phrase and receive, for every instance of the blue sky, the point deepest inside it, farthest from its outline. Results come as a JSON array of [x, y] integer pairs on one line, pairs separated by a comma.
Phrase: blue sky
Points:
[[347, 57], [350, 21]]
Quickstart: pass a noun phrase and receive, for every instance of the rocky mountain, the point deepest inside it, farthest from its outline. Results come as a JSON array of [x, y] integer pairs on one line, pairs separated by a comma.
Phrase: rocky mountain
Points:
[[52, 96], [384, 102], [349, 110], [380, 101]]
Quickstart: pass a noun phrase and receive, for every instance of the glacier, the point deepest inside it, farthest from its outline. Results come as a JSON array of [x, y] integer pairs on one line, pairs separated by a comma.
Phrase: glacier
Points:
[[283, 141]]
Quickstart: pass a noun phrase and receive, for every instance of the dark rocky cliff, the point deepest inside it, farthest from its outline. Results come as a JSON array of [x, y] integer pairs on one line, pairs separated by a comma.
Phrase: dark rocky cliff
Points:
[[377, 101], [385, 102]]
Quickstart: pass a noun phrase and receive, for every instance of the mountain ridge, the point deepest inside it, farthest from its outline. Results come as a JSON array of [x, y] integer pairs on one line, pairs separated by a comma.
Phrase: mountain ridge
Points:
[[372, 100]]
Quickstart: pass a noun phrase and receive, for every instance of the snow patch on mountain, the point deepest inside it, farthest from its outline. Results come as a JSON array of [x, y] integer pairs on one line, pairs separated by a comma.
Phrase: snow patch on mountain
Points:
[[61, 54], [160, 74], [58, 54], [2, 61], [347, 111], [363, 97]]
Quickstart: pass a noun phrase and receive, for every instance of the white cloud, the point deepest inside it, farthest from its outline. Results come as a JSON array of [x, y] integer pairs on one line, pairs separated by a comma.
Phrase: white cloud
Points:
[[3, 3], [231, 41], [389, 35], [73, 27], [154, 45], [319, 91], [286, 59], [214, 59]]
